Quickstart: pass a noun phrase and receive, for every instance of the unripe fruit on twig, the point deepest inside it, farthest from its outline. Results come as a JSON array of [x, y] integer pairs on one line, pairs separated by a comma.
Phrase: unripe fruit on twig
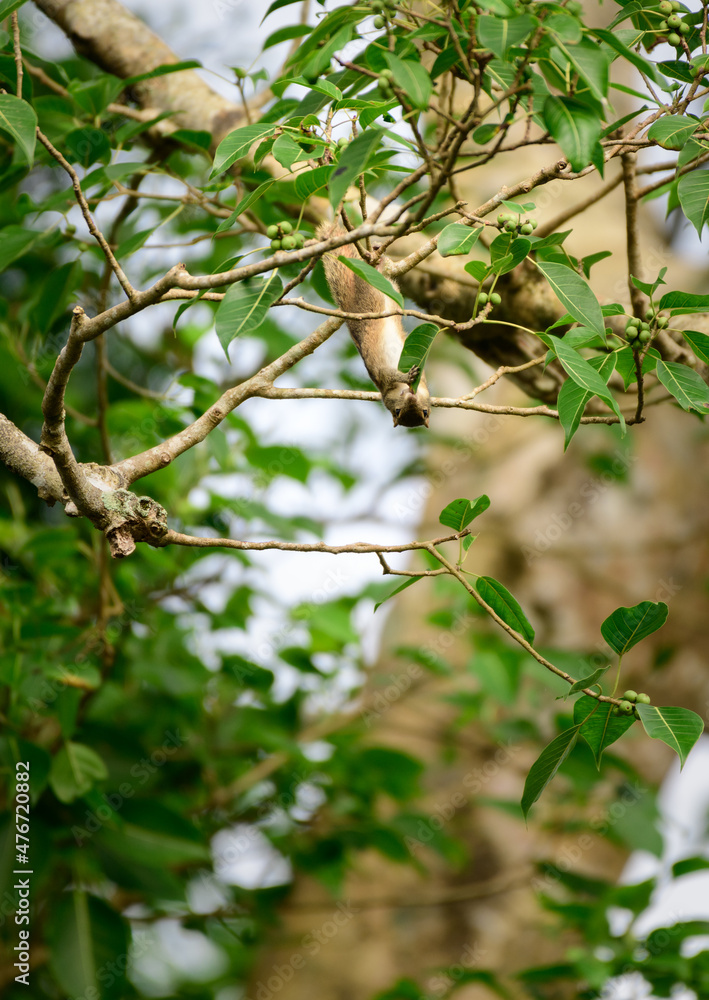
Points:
[[674, 39], [643, 699], [625, 707], [275, 244], [631, 695]]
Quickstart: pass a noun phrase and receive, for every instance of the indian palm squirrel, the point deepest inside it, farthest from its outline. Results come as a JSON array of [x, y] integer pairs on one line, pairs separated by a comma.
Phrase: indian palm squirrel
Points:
[[379, 341]]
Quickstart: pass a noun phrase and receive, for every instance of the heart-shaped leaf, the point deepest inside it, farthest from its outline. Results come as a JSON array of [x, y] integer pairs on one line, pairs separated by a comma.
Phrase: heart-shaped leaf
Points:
[[459, 513], [599, 727], [679, 728], [627, 626]]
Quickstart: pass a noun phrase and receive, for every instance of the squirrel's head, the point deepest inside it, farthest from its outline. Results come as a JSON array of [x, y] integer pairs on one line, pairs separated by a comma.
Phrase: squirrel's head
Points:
[[410, 411]]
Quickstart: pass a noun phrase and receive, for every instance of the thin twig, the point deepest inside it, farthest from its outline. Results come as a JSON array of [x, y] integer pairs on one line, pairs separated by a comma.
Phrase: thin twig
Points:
[[17, 49], [503, 370], [632, 233], [86, 212], [359, 548], [54, 441]]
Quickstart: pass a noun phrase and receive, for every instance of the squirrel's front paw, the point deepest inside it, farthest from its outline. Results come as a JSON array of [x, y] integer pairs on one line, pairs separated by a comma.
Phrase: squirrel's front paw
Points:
[[413, 374]]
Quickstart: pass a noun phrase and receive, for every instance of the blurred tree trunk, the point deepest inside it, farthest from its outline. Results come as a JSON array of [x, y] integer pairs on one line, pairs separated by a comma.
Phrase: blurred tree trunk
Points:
[[612, 522]]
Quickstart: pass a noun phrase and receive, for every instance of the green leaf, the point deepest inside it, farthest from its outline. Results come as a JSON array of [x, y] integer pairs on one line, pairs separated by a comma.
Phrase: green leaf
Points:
[[478, 268], [699, 342], [687, 865], [244, 308], [319, 86], [498, 34], [285, 34], [198, 139], [458, 238], [546, 765], [575, 127], [681, 303], [276, 5], [352, 163], [8, 7], [397, 590], [393, 771], [74, 771], [679, 728], [373, 277], [599, 727], [152, 846], [483, 133], [504, 604], [286, 151], [133, 243], [617, 41], [589, 681], [590, 62], [246, 202], [308, 182], [673, 131], [87, 938], [164, 70], [593, 258], [574, 294], [14, 241], [459, 513], [573, 398], [693, 193], [413, 78], [415, 350], [563, 27], [585, 374], [238, 143], [518, 251], [627, 626], [687, 386], [19, 120], [650, 287]]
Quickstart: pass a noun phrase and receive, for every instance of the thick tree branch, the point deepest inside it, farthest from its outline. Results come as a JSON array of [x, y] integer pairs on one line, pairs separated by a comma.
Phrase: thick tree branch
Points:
[[24, 457], [161, 455], [84, 495]]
